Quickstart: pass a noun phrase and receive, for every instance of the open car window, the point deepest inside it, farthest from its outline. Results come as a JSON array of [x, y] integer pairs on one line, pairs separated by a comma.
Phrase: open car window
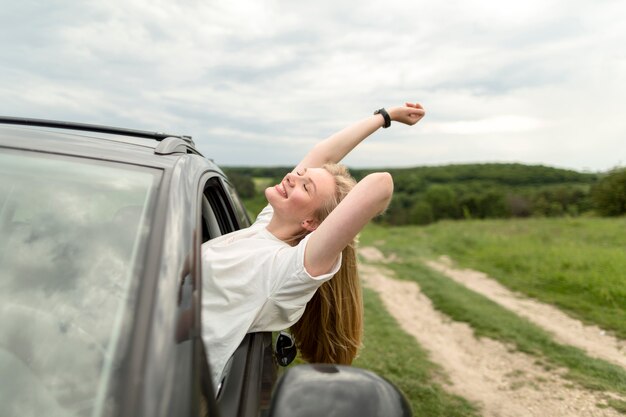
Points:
[[248, 377], [216, 219], [218, 216]]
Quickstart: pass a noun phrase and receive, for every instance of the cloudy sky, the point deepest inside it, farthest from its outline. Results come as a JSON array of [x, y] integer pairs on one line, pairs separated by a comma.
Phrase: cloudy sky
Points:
[[258, 82]]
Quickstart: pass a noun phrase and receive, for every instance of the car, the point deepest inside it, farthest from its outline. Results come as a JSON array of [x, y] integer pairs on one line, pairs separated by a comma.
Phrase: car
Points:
[[100, 276]]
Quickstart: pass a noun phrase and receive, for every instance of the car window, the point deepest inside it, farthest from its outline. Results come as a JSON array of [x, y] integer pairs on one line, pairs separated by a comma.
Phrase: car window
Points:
[[72, 235], [240, 211], [218, 216]]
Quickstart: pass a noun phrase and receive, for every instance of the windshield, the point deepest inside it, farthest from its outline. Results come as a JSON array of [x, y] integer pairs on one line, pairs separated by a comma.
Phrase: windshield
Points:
[[72, 232]]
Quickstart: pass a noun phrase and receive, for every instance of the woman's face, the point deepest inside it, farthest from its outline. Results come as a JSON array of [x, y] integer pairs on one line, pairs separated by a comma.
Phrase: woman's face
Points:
[[299, 195]]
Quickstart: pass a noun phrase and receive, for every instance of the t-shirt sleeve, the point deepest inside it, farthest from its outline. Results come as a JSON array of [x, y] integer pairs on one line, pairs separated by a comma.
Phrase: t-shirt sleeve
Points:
[[297, 286], [301, 248], [291, 288]]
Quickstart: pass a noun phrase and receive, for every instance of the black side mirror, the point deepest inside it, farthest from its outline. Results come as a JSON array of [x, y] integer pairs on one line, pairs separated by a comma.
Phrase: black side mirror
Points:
[[325, 390], [285, 349]]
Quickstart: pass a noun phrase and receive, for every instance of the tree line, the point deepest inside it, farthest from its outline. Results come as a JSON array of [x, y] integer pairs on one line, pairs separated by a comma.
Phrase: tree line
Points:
[[423, 195]]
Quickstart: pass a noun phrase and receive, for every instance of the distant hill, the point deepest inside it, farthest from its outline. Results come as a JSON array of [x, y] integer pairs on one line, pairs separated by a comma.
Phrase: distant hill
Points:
[[505, 174], [430, 193]]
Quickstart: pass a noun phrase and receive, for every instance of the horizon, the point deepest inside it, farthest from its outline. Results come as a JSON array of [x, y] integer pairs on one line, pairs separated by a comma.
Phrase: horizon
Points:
[[435, 166]]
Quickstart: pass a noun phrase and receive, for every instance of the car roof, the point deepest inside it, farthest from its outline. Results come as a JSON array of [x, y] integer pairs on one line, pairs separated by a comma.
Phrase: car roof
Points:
[[95, 141]]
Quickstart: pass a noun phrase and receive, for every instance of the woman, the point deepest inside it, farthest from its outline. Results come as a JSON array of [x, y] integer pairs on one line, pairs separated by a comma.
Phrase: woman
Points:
[[266, 277]]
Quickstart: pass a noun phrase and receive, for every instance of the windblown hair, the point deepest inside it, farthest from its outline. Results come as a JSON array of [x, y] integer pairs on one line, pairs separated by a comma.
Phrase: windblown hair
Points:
[[331, 328]]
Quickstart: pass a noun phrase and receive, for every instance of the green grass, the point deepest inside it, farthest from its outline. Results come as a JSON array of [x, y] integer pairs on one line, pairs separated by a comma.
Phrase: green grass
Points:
[[392, 353], [577, 264], [618, 405], [255, 205], [489, 319], [486, 317]]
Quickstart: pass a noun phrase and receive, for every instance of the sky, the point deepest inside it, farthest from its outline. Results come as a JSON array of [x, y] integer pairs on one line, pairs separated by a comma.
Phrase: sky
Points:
[[260, 82]]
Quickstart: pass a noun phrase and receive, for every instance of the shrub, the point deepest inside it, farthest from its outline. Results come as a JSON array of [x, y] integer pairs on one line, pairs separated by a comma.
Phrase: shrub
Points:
[[609, 194], [421, 213]]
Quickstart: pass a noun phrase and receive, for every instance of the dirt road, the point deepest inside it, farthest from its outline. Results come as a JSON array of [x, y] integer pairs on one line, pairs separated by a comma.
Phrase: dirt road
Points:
[[502, 381], [565, 329]]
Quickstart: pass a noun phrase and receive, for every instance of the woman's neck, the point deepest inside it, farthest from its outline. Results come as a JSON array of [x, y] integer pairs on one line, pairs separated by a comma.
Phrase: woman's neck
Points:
[[282, 230]]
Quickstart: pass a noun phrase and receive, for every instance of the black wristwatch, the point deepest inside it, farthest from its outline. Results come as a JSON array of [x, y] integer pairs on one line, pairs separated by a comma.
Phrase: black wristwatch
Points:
[[385, 116]]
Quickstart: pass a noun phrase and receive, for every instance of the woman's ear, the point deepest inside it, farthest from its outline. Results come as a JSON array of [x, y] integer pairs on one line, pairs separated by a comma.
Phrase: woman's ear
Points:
[[310, 224]]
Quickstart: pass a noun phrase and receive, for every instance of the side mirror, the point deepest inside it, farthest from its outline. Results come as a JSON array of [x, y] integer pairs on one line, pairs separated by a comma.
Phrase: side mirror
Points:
[[285, 349], [325, 390]]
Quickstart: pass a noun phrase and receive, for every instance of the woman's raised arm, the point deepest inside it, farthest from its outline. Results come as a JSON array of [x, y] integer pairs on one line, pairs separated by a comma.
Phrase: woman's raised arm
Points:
[[334, 148], [366, 200]]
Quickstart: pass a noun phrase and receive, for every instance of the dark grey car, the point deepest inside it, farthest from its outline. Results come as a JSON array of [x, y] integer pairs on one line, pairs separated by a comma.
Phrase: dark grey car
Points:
[[100, 278]]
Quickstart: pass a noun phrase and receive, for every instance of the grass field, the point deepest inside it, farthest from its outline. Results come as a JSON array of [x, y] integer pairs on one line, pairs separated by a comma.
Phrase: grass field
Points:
[[577, 264]]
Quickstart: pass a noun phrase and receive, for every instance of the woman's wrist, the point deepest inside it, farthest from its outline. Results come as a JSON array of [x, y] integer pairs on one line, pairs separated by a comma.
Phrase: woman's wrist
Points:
[[380, 120], [385, 116], [393, 113]]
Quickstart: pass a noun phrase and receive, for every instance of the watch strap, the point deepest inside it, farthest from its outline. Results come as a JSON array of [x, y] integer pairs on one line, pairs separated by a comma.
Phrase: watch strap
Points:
[[385, 115]]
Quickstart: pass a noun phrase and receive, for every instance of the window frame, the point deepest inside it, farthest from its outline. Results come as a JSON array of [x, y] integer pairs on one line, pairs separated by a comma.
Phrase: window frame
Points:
[[212, 201], [246, 390]]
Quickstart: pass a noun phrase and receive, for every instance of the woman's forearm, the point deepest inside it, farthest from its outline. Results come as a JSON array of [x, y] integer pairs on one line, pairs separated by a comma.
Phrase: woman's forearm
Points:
[[334, 148]]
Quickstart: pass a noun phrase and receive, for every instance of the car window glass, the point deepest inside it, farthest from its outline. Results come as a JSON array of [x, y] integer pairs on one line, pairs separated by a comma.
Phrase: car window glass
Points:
[[72, 233], [240, 211], [218, 216], [210, 224]]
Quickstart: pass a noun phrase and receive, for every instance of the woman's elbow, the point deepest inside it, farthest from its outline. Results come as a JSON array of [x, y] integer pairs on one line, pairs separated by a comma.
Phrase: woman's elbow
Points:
[[383, 184]]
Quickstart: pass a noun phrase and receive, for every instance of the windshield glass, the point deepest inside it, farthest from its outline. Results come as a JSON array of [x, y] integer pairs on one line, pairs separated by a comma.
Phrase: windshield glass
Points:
[[72, 235]]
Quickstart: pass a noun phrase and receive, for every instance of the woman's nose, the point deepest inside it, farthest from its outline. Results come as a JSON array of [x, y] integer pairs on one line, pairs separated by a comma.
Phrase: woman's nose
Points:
[[291, 179]]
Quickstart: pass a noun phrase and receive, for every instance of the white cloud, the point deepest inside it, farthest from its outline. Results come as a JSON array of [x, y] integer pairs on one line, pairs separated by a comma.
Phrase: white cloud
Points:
[[276, 72], [499, 124]]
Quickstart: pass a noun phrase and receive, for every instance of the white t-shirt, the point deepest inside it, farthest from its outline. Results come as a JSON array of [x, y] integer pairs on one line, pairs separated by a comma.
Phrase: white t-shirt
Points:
[[251, 282]]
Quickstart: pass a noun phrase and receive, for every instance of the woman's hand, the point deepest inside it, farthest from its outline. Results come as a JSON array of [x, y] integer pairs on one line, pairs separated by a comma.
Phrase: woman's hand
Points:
[[409, 114]]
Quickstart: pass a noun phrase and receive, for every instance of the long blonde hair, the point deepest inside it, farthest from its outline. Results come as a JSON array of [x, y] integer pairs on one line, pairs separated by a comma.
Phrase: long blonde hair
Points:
[[331, 328]]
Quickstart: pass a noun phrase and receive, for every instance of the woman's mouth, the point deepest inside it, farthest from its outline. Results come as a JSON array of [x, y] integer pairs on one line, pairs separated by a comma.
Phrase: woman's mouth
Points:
[[281, 189]]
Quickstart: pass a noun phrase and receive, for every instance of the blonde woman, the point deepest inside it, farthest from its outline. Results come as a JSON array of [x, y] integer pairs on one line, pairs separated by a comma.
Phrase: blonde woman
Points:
[[295, 266]]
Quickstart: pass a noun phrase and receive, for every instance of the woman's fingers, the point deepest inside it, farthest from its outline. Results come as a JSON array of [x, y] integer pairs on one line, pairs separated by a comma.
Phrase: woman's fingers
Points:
[[414, 105], [415, 114], [409, 114]]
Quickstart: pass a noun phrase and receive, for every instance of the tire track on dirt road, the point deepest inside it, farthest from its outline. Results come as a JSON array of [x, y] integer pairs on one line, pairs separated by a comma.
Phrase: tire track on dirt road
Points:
[[504, 382], [565, 329]]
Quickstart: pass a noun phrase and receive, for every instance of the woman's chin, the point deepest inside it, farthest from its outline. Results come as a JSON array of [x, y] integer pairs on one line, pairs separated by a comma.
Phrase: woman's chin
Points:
[[271, 196]]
